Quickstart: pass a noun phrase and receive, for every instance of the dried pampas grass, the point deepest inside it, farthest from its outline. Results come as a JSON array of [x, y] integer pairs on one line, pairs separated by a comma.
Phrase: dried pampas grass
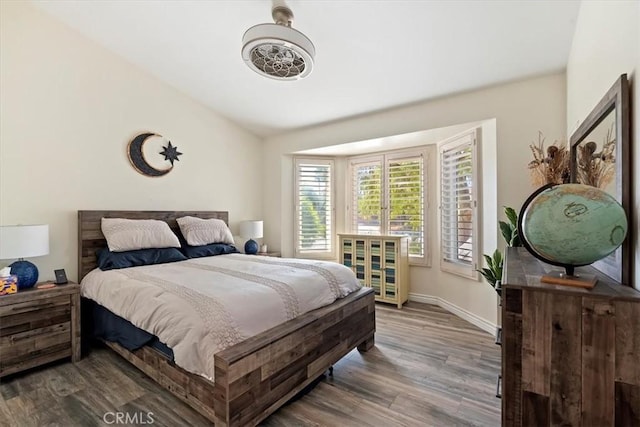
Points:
[[550, 166], [597, 169]]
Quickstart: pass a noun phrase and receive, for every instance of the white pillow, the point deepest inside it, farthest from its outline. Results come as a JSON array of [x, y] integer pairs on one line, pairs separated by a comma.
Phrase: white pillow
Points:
[[198, 231], [131, 234]]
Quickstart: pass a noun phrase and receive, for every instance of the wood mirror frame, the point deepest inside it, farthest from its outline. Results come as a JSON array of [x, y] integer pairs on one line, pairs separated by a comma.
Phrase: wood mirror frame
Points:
[[615, 101]]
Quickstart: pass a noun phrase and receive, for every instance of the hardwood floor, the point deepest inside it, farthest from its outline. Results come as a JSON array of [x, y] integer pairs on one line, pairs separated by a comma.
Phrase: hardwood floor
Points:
[[428, 367]]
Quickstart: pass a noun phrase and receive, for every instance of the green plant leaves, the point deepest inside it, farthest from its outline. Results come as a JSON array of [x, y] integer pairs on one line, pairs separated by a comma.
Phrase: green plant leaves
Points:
[[493, 272], [507, 231], [488, 275], [512, 215], [488, 260], [497, 258], [510, 230]]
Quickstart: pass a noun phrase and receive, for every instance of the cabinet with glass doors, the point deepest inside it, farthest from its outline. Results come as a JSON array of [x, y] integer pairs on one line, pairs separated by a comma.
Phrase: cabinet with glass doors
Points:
[[379, 262]]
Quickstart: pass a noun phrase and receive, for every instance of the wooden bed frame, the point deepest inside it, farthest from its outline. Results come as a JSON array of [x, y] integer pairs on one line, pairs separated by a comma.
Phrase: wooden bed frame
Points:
[[257, 376]]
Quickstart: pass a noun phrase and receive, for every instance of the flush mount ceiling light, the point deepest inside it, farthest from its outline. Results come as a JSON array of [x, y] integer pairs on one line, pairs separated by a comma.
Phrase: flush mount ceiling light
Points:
[[277, 50]]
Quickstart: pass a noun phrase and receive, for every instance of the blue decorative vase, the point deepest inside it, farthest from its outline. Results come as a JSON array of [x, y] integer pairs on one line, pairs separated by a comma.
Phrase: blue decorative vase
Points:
[[26, 272], [251, 247]]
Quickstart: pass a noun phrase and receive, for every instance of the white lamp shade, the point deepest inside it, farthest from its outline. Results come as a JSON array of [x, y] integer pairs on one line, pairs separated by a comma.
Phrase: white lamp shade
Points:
[[251, 229], [23, 241]]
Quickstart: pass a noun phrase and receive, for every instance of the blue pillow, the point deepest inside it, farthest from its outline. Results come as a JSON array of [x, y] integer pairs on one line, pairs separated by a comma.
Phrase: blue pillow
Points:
[[108, 260], [209, 250]]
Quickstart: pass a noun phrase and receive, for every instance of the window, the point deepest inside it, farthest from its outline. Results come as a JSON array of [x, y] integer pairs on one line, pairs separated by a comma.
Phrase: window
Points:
[[458, 205], [367, 197], [388, 196], [314, 208]]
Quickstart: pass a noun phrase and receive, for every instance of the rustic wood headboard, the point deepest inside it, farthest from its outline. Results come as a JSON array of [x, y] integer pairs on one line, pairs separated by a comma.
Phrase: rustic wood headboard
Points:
[[90, 237]]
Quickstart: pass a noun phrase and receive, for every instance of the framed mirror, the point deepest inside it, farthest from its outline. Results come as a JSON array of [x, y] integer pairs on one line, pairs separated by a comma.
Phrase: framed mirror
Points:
[[600, 157]]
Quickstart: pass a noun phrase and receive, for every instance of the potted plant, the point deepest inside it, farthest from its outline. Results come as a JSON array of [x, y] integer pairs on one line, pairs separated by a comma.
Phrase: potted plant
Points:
[[493, 271]]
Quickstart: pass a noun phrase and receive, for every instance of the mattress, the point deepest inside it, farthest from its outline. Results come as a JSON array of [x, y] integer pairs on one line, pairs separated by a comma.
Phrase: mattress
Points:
[[202, 306]]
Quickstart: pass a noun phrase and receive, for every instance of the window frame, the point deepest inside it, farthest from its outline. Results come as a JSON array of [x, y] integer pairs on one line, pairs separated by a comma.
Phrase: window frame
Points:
[[385, 158], [332, 253], [471, 137]]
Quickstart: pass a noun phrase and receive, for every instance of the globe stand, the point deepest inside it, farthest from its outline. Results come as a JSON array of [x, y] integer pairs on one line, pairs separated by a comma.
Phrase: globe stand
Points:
[[569, 278]]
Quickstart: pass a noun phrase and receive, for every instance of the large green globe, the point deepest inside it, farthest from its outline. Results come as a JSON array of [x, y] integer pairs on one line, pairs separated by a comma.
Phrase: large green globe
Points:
[[572, 224]]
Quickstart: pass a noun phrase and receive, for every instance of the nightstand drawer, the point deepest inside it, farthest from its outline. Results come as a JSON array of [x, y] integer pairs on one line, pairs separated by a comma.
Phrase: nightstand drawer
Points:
[[23, 344], [28, 306], [21, 322]]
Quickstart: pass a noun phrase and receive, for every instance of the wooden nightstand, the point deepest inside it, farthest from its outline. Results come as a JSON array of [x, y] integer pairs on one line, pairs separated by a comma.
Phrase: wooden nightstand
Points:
[[38, 326], [273, 254]]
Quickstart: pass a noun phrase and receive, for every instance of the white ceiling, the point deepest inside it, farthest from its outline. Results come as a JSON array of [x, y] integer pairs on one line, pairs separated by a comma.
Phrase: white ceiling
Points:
[[371, 55]]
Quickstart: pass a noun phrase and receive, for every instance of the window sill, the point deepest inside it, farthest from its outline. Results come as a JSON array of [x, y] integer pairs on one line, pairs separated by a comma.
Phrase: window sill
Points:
[[422, 261], [466, 272], [419, 263]]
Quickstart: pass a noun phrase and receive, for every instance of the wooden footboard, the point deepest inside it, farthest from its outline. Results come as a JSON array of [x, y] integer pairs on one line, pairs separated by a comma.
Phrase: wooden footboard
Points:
[[194, 390], [257, 376]]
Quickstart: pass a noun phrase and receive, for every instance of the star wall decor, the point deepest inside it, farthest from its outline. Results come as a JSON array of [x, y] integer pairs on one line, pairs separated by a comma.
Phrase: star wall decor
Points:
[[171, 153]]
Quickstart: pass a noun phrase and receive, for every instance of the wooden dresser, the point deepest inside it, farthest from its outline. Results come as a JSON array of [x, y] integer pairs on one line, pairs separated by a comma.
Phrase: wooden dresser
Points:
[[38, 326], [570, 356]]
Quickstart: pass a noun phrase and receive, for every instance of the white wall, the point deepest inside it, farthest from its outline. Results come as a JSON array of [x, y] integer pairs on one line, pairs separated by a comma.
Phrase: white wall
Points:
[[520, 110], [606, 44], [68, 109]]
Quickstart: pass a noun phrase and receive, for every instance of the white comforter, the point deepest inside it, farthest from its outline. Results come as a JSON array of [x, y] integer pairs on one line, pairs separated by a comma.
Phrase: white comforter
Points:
[[204, 305]]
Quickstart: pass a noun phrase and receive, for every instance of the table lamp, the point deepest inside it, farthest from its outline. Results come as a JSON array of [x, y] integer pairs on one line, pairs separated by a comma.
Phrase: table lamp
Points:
[[24, 241], [251, 230]]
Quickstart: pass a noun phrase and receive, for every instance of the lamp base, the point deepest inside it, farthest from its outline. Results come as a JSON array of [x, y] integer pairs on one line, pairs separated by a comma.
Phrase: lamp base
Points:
[[251, 247], [26, 272]]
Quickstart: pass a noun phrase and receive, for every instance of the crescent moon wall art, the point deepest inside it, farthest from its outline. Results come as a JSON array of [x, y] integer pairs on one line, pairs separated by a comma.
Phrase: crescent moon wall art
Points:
[[140, 163]]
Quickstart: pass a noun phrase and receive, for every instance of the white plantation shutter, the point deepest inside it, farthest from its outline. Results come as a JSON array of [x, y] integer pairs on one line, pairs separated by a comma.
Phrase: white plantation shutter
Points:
[[405, 210], [314, 207], [458, 204], [388, 196], [366, 197]]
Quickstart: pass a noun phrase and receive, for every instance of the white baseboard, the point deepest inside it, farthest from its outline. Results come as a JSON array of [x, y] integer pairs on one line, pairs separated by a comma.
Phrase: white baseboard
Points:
[[470, 317], [427, 299]]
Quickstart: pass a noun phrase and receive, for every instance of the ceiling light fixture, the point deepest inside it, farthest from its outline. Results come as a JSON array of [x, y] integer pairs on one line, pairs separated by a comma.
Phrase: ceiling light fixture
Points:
[[277, 50]]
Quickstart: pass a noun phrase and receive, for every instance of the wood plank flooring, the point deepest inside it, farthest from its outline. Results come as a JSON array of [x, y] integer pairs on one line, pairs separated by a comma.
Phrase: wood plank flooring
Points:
[[428, 367]]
